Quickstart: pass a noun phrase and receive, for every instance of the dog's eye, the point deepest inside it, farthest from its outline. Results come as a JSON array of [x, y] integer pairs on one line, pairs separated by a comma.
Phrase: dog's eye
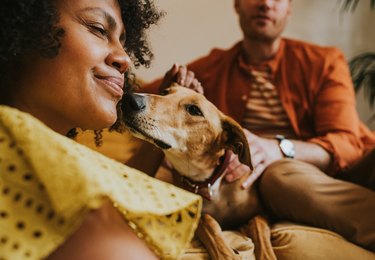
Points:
[[194, 110]]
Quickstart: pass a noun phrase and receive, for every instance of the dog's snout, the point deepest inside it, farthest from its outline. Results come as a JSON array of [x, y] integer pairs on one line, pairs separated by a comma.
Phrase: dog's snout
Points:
[[133, 102]]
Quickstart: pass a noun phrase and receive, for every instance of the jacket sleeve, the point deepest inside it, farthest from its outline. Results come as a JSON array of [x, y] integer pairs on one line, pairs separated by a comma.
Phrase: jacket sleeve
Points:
[[336, 120]]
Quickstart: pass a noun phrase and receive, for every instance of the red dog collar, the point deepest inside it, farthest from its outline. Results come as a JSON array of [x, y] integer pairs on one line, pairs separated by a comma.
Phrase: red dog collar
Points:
[[204, 188]]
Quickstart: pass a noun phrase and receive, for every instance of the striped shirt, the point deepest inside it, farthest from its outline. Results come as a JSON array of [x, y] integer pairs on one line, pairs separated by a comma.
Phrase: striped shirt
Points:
[[264, 114]]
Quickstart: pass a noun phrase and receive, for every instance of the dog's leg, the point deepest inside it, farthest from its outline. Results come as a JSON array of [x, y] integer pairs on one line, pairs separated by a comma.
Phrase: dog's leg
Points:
[[259, 231], [210, 234]]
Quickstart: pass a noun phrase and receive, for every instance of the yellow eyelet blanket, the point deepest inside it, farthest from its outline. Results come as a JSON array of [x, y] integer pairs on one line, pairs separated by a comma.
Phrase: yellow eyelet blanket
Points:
[[49, 182]]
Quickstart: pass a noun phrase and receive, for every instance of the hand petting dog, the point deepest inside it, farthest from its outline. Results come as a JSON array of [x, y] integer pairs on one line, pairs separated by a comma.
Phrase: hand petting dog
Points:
[[263, 152], [183, 76]]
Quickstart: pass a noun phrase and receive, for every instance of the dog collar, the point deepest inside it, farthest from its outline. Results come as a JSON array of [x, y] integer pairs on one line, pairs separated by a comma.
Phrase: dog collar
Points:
[[204, 188]]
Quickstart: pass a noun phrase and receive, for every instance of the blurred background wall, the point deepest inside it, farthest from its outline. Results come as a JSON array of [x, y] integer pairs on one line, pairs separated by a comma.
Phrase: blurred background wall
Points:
[[191, 28]]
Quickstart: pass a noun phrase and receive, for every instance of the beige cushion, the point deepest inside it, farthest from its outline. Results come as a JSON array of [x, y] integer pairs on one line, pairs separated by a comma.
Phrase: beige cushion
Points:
[[239, 242], [292, 241]]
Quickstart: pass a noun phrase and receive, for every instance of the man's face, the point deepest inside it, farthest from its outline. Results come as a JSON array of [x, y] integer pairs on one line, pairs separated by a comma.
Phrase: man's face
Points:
[[263, 19]]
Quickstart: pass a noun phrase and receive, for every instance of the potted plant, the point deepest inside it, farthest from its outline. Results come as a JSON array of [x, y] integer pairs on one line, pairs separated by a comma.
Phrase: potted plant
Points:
[[362, 66]]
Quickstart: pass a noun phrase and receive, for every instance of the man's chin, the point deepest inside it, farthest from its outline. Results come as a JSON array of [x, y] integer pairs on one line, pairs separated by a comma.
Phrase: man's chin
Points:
[[263, 36]]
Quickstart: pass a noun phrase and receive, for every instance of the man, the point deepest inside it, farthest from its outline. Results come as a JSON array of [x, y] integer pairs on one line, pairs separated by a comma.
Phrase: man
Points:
[[297, 101]]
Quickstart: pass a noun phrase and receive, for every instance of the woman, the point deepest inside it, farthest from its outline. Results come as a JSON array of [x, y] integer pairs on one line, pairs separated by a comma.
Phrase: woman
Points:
[[62, 66]]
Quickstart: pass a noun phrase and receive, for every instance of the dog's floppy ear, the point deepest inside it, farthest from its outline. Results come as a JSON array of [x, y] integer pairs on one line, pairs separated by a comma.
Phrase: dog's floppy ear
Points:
[[235, 140]]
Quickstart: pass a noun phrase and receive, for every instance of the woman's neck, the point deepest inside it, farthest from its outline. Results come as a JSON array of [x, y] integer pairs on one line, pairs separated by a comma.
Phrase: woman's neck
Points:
[[43, 114]]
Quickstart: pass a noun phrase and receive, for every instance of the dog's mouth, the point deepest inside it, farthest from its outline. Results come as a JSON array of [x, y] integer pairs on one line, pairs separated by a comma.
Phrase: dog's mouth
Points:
[[140, 133]]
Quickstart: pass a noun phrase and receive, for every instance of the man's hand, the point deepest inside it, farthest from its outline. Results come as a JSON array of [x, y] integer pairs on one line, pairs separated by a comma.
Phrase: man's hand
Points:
[[182, 76], [263, 152]]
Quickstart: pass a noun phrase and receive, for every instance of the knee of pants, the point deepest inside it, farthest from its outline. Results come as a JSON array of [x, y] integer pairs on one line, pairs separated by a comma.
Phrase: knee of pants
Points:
[[286, 178]]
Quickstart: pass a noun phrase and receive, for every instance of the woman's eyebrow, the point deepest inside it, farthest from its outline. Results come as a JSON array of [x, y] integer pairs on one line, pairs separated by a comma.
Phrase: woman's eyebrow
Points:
[[109, 18]]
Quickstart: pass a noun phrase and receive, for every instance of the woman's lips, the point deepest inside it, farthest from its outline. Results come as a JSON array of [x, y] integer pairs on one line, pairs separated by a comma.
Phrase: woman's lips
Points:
[[112, 84]]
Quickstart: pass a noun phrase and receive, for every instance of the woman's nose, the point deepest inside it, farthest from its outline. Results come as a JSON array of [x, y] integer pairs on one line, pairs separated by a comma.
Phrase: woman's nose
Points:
[[119, 59]]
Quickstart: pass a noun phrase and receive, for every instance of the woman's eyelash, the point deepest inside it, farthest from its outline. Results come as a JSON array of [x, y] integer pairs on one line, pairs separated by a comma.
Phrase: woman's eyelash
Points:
[[100, 29]]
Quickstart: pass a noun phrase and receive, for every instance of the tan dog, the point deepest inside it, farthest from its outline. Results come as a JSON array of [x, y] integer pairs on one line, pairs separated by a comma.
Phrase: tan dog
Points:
[[196, 139]]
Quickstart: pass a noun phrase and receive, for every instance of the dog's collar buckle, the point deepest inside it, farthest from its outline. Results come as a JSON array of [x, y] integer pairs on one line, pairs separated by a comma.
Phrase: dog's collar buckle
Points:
[[210, 190], [205, 188], [197, 189]]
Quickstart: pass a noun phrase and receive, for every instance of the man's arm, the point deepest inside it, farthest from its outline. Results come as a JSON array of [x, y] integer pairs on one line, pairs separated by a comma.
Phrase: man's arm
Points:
[[337, 142], [265, 151], [336, 121]]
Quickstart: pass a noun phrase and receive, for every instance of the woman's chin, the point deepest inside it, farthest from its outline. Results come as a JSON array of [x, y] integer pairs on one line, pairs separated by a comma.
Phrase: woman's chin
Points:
[[109, 122], [108, 115], [103, 120]]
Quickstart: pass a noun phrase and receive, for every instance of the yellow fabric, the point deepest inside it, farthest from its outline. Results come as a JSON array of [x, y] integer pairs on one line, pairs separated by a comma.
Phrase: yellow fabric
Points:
[[48, 182]]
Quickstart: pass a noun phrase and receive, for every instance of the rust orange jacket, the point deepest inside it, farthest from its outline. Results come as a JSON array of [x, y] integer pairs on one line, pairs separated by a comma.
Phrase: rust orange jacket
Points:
[[315, 88]]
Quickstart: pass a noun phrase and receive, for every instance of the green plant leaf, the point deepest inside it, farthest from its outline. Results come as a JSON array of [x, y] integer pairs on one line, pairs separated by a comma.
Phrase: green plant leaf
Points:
[[362, 68], [351, 5]]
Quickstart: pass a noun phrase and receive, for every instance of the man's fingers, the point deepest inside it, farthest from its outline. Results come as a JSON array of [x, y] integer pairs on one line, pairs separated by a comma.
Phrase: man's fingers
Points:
[[169, 77], [181, 75], [253, 176], [197, 86], [236, 172], [257, 158], [190, 76], [172, 72]]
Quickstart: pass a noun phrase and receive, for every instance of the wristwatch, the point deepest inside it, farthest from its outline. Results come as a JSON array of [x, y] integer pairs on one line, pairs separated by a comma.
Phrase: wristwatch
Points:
[[286, 146]]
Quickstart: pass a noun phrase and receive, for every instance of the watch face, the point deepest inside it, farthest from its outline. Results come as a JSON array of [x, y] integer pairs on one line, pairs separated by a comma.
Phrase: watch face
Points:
[[287, 147]]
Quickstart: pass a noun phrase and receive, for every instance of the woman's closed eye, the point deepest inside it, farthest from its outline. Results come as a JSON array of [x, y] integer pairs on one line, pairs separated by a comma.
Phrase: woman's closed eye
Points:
[[99, 29]]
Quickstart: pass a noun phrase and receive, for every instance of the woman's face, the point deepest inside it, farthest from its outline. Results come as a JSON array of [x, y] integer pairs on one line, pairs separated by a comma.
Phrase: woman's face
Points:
[[81, 86]]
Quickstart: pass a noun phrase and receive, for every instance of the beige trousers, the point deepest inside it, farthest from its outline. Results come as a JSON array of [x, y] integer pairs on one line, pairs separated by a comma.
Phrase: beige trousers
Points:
[[296, 191]]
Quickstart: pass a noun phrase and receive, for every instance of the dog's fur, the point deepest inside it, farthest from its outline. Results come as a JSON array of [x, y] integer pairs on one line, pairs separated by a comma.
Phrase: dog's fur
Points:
[[194, 136]]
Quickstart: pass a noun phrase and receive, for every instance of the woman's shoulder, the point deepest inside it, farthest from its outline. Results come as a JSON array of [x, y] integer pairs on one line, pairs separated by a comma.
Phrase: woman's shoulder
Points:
[[50, 182]]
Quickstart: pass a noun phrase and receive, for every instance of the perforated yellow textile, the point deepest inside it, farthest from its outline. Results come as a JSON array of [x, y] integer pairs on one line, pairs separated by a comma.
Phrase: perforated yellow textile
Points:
[[48, 182]]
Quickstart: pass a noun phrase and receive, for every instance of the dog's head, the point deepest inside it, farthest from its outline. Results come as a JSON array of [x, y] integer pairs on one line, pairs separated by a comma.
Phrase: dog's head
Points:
[[192, 132]]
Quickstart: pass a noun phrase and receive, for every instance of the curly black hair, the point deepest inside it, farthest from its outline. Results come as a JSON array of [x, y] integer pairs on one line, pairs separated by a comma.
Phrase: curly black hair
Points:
[[32, 25]]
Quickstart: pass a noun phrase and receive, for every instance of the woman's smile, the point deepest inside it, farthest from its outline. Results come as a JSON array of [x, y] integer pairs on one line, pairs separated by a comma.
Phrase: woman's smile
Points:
[[114, 85]]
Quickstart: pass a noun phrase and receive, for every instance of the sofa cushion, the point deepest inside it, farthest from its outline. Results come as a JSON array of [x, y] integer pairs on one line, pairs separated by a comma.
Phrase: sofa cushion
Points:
[[239, 242]]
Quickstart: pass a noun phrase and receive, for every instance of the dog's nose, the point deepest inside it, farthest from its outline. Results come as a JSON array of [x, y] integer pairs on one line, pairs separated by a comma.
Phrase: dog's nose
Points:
[[133, 102]]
